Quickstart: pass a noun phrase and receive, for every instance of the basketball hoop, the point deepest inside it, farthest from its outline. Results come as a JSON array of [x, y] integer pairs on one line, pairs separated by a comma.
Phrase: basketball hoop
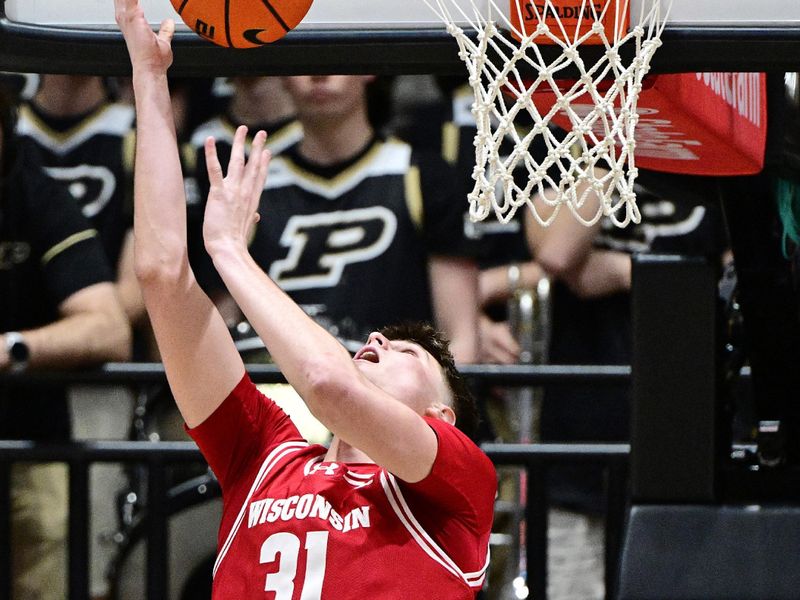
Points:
[[593, 163]]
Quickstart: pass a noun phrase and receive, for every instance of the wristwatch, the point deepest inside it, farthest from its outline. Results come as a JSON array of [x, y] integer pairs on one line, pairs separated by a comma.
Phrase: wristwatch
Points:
[[18, 351]]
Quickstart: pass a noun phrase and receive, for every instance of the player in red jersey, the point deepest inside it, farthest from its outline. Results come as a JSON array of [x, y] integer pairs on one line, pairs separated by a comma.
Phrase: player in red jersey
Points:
[[400, 505]]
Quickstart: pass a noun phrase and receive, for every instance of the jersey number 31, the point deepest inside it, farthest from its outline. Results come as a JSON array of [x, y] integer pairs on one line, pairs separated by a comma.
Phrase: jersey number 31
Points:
[[285, 549]]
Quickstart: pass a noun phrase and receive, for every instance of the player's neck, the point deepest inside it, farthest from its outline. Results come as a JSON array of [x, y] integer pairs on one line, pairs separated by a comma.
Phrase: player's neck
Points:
[[342, 452], [67, 95], [334, 141]]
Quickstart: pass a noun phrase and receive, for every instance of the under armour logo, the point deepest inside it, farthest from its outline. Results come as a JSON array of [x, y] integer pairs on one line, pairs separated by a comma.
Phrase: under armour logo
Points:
[[329, 469]]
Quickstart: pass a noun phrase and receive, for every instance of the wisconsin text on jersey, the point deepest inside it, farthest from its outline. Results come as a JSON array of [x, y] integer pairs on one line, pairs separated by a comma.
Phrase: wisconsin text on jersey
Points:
[[307, 506]]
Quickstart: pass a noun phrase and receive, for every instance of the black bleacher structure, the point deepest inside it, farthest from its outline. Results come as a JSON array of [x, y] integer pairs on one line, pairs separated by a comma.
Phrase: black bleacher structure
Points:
[[709, 521]]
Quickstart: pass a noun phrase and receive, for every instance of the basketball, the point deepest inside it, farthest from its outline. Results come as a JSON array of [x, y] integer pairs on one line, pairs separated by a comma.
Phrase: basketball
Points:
[[242, 23]]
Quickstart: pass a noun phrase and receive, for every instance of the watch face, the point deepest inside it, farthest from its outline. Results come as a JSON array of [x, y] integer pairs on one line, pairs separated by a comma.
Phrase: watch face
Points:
[[19, 352]]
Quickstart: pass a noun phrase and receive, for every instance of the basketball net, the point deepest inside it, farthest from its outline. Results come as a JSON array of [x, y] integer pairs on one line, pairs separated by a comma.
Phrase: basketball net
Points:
[[591, 169]]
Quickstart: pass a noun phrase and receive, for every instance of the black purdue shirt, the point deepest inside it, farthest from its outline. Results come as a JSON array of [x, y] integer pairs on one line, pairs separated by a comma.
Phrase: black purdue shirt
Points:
[[350, 242], [48, 251], [91, 157]]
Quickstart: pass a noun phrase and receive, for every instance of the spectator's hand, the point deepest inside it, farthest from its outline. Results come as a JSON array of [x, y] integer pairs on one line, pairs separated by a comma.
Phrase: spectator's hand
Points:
[[498, 345], [146, 49], [231, 211], [5, 359]]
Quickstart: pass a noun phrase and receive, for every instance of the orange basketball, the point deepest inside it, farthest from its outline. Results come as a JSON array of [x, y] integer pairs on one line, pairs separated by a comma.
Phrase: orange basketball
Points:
[[242, 23]]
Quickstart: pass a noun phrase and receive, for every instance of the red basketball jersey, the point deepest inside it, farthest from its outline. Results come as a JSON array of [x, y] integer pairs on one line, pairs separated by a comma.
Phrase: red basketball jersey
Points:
[[297, 528]]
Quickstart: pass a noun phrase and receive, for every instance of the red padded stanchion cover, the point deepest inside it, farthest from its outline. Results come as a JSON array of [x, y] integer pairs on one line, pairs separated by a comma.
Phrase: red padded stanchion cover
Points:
[[694, 123]]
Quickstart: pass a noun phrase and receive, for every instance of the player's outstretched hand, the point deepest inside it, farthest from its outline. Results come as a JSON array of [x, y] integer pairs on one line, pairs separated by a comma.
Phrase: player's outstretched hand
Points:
[[232, 208], [146, 48]]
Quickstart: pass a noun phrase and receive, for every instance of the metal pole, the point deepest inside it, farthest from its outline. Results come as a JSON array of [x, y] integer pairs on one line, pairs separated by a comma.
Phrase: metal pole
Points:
[[5, 530], [78, 544], [157, 534]]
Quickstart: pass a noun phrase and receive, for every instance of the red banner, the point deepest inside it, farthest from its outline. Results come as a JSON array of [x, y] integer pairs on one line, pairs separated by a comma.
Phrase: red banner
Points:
[[695, 123]]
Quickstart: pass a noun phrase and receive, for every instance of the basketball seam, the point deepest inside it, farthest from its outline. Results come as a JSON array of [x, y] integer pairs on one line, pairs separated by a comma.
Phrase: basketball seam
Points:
[[228, 22], [275, 14], [183, 5]]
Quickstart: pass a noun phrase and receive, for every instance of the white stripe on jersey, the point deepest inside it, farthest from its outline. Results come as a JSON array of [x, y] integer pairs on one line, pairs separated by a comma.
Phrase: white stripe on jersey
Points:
[[392, 157], [219, 128], [356, 483], [431, 548], [114, 119], [272, 459]]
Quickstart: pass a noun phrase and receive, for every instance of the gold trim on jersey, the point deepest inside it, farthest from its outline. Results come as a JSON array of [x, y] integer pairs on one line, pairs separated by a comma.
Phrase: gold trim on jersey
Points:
[[67, 243], [223, 131], [413, 187], [285, 137], [129, 151], [450, 139], [390, 157], [111, 119], [189, 156]]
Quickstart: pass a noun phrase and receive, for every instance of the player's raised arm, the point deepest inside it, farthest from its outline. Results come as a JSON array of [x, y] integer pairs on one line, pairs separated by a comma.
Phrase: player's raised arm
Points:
[[201, 361], [359, 412]]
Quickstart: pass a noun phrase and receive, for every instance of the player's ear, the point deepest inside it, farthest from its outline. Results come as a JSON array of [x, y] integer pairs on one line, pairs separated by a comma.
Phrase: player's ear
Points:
[[442, 412]]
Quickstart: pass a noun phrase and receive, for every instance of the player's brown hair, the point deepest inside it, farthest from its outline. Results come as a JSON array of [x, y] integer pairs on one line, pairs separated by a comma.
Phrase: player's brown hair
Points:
[[435, 342]]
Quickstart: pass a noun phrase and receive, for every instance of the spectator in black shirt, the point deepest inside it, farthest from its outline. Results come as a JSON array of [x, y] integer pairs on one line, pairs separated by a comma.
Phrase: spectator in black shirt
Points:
[[58, 310]]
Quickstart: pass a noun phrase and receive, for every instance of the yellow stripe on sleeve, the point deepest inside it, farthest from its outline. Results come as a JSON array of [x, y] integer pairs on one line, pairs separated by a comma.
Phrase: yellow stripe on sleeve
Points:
[[414, 195], [67, 243], [450, 142]]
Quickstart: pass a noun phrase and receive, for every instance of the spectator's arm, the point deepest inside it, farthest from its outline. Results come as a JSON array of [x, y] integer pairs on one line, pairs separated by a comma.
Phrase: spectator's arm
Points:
[[565, 251], [128, 291], [454, 291], [604, 272], [92, 329], [495, 283]]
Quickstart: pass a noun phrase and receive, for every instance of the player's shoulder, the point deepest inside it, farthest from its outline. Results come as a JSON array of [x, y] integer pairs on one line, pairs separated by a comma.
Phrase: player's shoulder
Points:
[[452, 437]]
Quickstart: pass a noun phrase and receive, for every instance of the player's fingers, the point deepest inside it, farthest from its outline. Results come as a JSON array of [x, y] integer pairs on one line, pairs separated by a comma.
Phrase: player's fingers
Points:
[[263, 169], [236, 164], [251, 168], [124, 11], [167, 30], [212, 163]]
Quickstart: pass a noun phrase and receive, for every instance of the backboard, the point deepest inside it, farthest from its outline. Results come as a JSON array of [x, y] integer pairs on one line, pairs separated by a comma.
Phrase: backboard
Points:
[[382, 36]]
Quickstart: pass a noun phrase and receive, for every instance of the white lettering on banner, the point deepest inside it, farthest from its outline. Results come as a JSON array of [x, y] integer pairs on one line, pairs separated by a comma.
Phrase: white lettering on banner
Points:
[[741, 91], [306, 506], [655, 137]]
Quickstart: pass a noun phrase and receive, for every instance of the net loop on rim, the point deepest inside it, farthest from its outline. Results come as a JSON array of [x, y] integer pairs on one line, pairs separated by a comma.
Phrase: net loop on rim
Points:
[[591, 166]]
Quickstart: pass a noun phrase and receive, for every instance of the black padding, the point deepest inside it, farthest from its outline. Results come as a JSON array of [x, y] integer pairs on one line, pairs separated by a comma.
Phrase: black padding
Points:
[[673, 415], [711, 553]]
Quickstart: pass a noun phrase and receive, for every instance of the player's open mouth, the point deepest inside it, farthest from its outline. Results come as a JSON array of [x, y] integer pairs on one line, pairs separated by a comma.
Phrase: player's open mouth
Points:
[[367, 353]]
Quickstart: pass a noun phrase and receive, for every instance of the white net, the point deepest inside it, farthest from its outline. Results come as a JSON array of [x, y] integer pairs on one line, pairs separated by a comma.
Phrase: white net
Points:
[[519, 95]]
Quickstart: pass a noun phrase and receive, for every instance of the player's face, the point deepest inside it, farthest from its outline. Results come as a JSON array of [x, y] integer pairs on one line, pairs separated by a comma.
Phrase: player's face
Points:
[[404, 370], [325, 97]]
